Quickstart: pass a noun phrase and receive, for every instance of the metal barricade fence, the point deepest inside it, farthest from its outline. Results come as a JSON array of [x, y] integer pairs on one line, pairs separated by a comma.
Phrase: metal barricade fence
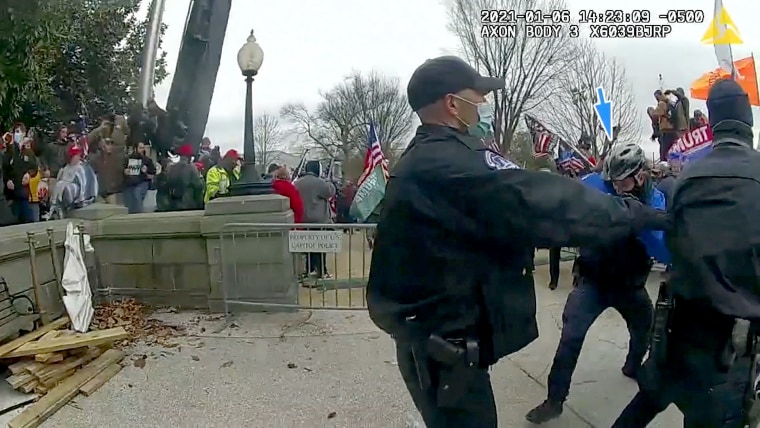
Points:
[[294, 266]]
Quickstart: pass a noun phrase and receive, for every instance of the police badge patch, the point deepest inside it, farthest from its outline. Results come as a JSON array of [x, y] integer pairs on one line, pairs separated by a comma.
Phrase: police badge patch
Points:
[[497, 161]]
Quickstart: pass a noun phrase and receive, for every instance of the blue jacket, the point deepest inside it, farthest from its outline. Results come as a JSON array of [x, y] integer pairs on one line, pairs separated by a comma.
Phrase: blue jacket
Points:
[[653, 240]]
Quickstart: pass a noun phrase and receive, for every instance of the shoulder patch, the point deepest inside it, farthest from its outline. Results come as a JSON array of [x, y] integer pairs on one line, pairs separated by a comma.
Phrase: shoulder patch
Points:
[[497, 161]]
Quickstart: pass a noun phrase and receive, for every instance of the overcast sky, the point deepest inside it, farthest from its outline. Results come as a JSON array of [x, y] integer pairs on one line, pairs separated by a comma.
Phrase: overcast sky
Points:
[[309, 46]]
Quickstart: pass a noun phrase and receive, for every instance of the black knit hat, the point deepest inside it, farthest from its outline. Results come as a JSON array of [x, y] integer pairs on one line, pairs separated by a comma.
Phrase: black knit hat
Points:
[[727, 101]]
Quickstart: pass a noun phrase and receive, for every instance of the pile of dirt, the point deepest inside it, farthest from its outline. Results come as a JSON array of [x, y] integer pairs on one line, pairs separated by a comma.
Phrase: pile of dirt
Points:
[[136, 320]]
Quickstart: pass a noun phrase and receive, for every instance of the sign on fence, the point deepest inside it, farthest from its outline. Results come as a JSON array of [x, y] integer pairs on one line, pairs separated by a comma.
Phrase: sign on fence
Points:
[[315, 241]]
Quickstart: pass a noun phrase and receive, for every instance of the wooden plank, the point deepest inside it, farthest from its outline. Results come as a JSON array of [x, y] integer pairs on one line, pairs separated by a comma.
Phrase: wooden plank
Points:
[[53, 370], [36, 367], [58, 396], [36, 334], [53, 381], [93, 338], [20, 366], [41, 390], [88, 388], [50, 335], [29, 386], [17, 380], [50, 357]]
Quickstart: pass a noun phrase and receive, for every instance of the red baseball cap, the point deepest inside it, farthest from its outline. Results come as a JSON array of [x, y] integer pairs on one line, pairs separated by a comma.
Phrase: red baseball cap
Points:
[[232, 153], [186, 150]]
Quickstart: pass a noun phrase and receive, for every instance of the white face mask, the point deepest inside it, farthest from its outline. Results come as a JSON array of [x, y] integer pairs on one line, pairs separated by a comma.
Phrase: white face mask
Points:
[[17, 137]]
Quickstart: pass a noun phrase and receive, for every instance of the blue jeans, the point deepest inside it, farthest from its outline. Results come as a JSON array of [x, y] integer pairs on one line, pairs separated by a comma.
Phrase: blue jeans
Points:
[[134, 196]]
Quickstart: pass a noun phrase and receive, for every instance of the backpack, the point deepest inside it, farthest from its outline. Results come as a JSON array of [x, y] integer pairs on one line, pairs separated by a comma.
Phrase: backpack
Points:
[[715, 238]]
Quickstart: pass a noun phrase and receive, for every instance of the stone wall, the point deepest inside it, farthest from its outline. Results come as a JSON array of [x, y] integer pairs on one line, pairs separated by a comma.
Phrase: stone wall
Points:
[[177, 259]]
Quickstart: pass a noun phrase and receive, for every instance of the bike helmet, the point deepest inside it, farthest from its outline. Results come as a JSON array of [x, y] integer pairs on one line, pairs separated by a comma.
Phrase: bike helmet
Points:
[[623, 160]]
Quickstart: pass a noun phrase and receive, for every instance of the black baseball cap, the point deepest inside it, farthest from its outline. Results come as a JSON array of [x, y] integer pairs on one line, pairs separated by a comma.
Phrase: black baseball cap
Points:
[[438, 77]]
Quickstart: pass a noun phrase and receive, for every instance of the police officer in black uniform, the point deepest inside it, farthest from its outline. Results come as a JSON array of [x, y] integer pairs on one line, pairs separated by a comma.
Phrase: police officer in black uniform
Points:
[[702, 347], [448, 279]]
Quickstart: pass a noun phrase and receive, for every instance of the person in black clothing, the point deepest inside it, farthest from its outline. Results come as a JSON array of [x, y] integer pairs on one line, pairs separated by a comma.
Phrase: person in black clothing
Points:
[[456, 230], [139, 170], [611, 276], [702, 357]]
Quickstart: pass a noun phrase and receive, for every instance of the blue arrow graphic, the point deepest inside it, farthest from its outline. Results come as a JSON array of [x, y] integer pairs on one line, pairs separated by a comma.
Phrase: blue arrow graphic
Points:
[[604, 112]]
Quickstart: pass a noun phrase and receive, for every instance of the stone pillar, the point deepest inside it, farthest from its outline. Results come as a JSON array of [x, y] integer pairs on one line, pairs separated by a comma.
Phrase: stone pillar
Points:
[[249, 263]]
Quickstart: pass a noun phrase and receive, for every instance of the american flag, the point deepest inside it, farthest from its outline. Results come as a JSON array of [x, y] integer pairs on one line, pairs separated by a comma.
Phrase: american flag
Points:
[[569, 161], [543, 139], [374, 157]]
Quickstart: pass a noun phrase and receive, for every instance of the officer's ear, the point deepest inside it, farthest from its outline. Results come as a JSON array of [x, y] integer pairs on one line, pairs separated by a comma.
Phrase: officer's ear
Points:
[[451, 104]]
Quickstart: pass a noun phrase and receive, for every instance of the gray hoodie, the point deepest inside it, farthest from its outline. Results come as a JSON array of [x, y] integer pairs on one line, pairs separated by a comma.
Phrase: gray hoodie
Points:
[[315, 193]]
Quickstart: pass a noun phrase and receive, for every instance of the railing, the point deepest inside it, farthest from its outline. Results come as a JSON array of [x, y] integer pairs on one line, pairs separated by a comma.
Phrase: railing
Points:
[[295, 266]]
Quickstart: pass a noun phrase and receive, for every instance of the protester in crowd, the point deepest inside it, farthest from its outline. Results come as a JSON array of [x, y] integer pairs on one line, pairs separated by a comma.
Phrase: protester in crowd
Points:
[[35, 178], [219, 177], [666, 179], [699, 120], [18, 161], [75, 186], [684, 101], [199, 167], [112, 127], [344, 201], [108, 163], [43, 192], [55, 153], [210, 158], [282, 186], [205, 147], [184, 186], [271, 172], [139, 170], [670, 120], [655, 123], [161, 183], [316, 193], [584, 146]]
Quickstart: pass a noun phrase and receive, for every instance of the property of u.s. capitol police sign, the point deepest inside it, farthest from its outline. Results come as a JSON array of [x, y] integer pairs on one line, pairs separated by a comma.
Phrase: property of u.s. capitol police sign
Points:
[[497, 161]]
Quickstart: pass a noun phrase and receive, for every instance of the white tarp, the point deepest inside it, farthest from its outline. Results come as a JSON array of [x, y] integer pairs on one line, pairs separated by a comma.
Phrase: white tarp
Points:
[[78, 298]]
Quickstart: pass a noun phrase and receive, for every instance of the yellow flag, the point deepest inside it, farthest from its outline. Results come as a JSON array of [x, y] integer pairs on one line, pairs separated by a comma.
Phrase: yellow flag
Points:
[[722, 30]]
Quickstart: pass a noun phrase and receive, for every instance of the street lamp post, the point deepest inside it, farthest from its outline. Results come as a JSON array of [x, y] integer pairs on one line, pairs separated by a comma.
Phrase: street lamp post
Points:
[[250, 58]]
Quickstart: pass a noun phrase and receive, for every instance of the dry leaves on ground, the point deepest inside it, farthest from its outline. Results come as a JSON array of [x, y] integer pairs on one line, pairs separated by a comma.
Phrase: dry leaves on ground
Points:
[[135, 318]]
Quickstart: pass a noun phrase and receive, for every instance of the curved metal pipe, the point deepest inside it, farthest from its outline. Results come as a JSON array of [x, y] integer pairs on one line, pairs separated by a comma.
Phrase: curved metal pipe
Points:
[[150, 51]]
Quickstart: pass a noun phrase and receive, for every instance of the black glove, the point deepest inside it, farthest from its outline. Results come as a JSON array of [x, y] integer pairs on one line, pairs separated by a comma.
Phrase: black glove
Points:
[[645, 217]]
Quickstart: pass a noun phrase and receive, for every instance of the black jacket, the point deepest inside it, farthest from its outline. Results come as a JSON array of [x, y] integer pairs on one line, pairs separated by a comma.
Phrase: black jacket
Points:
[[457, 226], [715, 240]]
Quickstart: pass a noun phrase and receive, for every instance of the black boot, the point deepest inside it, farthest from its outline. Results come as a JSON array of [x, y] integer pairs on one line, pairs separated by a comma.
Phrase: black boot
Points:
[[544, 412], [631, 370], [552, 285]]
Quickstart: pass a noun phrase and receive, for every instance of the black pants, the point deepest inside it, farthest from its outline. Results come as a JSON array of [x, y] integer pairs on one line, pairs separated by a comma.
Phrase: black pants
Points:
[[708, 394], [476, 409], [584, 304], [555, 254], [666, 140], [317, 263]]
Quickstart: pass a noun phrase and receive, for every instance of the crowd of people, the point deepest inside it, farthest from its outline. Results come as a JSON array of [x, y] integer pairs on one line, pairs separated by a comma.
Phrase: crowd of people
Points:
[[671, 118], [46, 179], [451, 279]]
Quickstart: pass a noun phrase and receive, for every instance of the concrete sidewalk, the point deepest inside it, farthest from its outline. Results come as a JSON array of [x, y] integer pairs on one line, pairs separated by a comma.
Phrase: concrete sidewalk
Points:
[[335, 369]]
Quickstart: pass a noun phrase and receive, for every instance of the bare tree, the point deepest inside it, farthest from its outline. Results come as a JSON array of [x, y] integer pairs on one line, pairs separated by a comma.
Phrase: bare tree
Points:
[[268, 137], [570, 111], [340, 123], [529, 65]]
